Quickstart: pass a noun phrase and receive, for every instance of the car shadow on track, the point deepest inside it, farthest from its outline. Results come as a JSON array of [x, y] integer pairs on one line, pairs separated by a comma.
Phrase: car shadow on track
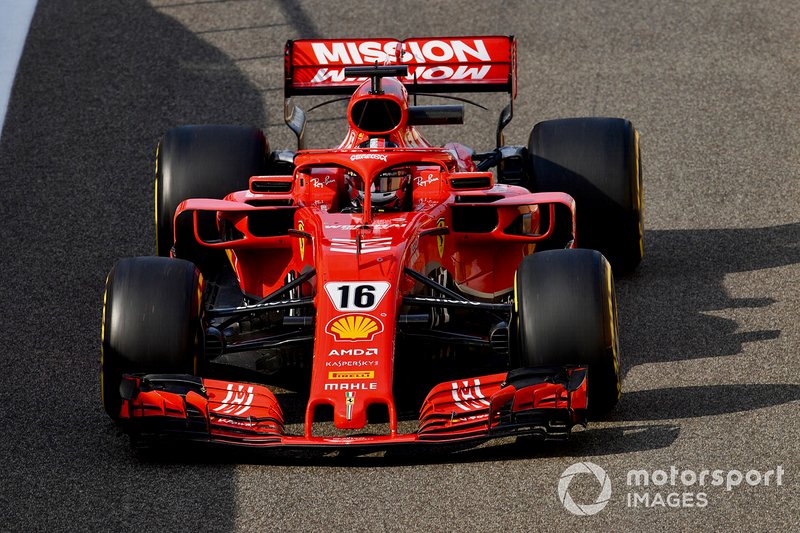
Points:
[[664, 307], [706, 400], [595, 442], [666, 316]]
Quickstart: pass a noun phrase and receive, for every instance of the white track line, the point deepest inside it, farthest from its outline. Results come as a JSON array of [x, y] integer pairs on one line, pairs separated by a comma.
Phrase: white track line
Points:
[[14, 23]]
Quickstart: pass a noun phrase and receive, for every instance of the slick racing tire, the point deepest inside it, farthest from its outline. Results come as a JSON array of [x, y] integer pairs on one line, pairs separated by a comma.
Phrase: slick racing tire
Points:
[[202, 162], [597, 162], [151, 322], [566, 314]]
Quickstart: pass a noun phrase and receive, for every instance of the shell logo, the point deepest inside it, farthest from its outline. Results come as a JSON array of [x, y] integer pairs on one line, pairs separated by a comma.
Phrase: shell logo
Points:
[[354, 327]]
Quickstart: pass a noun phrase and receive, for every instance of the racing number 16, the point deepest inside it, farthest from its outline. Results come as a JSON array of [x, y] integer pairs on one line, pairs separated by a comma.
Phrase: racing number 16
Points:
[[363, 297], [356, 295]]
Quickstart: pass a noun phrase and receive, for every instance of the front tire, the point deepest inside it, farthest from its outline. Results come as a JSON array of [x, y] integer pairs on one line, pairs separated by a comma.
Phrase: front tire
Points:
[[566, 314], [151, 322]]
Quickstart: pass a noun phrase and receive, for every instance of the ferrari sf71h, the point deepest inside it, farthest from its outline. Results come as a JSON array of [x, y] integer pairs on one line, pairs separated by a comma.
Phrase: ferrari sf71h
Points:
[[362, 273]]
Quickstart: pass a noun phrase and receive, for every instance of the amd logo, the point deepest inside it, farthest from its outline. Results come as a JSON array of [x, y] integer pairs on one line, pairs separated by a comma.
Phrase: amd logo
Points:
[[354, 351]]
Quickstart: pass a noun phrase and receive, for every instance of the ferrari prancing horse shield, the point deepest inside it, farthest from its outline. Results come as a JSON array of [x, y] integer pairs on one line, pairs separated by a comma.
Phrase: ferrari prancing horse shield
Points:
[[440, 238]]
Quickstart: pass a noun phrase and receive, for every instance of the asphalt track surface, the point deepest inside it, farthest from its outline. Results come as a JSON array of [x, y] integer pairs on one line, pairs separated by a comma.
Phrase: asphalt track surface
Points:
[[710, 334]]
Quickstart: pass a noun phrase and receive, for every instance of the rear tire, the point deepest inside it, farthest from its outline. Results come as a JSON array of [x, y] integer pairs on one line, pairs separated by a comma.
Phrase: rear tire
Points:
[[202, 162], [151, 322], [566, 314], [597, 162]]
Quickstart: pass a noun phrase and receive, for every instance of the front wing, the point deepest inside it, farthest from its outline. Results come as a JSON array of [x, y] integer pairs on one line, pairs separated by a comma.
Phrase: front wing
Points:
[[544, 402]]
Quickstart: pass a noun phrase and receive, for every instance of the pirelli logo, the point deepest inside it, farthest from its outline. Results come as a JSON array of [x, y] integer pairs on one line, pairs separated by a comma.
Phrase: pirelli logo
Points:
[[367, 374]]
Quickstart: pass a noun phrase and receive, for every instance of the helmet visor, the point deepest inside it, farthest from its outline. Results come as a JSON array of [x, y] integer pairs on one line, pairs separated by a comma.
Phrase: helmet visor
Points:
[[391, 180]]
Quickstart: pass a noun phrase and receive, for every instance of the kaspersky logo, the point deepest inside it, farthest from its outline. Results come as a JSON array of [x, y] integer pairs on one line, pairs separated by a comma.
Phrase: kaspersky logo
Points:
[[354, 327]]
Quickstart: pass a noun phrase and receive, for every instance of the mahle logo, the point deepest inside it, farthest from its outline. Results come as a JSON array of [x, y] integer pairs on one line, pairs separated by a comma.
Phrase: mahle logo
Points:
[[585, 509]]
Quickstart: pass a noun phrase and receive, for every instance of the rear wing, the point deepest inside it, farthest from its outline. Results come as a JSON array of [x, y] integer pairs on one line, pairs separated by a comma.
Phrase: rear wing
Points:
[[435, 64]]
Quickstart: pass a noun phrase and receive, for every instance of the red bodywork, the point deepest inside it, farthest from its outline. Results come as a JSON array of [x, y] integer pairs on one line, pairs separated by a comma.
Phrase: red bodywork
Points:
[[355, 327]]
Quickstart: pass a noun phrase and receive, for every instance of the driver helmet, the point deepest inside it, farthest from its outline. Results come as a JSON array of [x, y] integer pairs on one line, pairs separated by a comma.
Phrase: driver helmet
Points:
[[389, 189]]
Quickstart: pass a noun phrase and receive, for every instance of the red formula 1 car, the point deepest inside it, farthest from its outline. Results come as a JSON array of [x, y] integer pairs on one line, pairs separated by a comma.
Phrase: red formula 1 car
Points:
[[378, 269]]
